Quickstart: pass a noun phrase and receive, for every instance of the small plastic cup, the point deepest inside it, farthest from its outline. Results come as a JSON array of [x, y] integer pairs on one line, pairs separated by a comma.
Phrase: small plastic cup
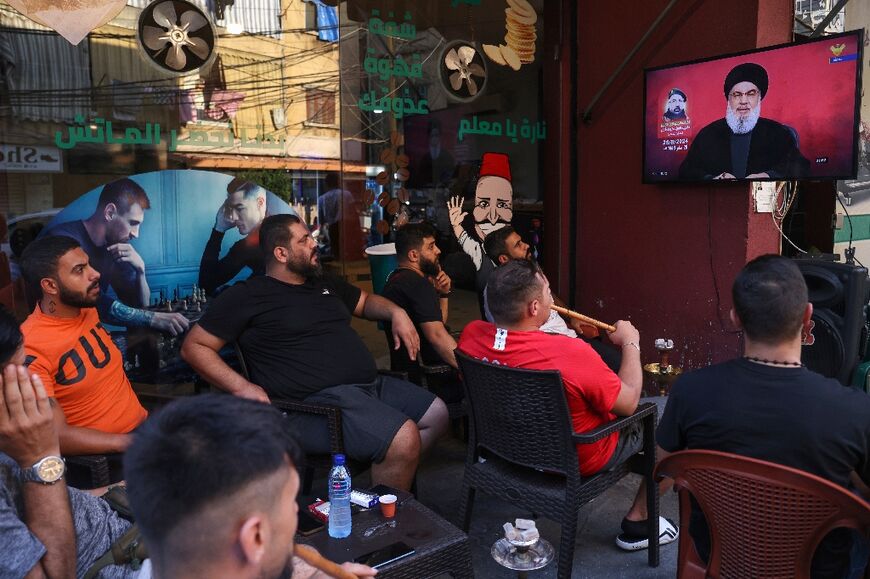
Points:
[[388, 505]]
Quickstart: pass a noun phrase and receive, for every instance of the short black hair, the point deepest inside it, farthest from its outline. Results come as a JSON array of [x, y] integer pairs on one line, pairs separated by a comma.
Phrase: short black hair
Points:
[[248, 188], [510, 288], [200, 450], [124, 193], [10, 336], [275, 231], [39, 260], [410, 236], [495, 243], [770, 297]]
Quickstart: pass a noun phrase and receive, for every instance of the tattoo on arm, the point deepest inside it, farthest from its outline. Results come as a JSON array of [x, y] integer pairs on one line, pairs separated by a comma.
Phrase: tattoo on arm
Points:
[[131, 316]]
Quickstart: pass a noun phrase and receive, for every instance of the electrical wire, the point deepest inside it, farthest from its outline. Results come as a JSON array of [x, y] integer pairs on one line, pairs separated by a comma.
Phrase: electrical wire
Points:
[[788, 191], [851, 230]]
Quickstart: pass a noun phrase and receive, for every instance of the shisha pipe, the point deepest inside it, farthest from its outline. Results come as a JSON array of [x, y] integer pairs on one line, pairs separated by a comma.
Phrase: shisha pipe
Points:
[[582, 318]]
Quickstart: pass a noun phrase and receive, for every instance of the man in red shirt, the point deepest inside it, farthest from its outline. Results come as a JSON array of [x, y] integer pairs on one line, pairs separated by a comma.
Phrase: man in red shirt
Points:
[[519, 298]]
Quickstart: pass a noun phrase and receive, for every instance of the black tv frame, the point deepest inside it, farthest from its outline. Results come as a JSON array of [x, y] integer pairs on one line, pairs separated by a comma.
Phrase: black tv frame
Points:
[[855, 121]]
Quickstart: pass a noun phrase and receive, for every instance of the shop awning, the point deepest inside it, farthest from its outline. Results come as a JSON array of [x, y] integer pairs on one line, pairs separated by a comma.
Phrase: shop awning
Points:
[[214, 161]]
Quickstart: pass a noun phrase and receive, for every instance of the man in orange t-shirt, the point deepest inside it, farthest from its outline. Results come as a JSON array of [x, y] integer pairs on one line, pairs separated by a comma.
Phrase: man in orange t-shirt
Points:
[[94, 405]]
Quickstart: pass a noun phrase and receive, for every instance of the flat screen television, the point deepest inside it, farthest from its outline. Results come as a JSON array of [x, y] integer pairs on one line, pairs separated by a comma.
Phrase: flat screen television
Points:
[[774, 114]]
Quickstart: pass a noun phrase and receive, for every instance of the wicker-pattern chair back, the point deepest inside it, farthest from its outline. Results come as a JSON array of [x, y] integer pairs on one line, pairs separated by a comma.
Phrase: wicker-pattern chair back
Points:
[[522, 449], [765, 519], [520, 415]]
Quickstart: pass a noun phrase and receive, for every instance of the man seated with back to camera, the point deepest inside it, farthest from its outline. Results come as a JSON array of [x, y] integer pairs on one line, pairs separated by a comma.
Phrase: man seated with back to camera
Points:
[[505, 245], [293, 325], [82, 369], [212, 481], [46, 528], [769, 406], [422, 288], [519, 298]]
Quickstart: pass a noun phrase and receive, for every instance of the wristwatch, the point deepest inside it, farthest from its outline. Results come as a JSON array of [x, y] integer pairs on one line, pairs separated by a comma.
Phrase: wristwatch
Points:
[[47, 471]]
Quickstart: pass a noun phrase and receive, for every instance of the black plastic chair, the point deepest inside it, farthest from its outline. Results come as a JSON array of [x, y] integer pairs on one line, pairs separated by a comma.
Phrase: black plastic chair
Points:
[[91, 471], [523, 450], [331, 414], [440, 379]]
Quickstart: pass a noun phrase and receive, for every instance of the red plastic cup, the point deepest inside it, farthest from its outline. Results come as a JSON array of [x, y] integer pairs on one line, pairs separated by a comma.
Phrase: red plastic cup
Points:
[[388, 505]]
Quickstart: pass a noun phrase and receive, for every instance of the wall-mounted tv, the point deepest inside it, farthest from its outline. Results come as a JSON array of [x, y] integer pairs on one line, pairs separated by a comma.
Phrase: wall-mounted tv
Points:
[[774, 114]]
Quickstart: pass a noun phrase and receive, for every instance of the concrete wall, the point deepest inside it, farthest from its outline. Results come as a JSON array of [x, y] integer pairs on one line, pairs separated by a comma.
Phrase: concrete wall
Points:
[[663, 256]]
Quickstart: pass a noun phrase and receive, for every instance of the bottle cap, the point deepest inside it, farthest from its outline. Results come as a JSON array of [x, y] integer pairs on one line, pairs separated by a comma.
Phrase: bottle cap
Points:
[[338, 459]]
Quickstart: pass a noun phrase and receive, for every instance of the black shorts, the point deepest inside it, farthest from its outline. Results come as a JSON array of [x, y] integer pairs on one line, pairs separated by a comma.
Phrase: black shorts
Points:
[[371, 415], [630, 443]]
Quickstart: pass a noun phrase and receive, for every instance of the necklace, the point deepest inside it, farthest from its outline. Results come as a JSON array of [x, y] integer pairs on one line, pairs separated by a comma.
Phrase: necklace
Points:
[[773, 362]]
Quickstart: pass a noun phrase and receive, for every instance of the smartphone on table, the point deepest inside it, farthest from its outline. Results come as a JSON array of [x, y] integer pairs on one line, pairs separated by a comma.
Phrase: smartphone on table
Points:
[[386, 555]]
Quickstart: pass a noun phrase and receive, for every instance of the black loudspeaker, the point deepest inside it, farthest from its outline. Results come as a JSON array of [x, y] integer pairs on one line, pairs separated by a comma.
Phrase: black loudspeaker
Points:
[[838, 292]]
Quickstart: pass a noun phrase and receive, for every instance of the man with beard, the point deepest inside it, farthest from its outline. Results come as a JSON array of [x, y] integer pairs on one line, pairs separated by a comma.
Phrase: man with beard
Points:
[[493, 207], [213, 482], [94, 405], [245, 208], [420, 287], [293, 324], [744, 145], [675, 107], [105, 237]]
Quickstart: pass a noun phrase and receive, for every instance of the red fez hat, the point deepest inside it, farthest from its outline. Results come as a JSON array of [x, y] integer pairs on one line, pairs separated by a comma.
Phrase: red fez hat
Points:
[[496, 165]]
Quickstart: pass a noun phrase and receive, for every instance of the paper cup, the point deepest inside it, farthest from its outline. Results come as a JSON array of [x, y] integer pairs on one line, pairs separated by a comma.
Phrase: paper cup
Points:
[[388, 505]]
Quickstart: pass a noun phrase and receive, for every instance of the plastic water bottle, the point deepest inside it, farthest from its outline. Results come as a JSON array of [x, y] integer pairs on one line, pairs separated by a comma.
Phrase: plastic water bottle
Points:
[[339, 499]]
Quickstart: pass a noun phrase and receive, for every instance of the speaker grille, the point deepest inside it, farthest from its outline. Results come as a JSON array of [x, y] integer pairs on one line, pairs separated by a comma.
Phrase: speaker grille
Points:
[[827, 355]]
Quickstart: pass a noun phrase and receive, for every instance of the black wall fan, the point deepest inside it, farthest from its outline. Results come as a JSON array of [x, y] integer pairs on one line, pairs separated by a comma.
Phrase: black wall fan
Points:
[[176, 36]]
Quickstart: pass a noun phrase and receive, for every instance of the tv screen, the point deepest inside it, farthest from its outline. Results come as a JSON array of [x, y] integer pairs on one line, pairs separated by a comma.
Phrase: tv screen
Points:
[[779, 113]]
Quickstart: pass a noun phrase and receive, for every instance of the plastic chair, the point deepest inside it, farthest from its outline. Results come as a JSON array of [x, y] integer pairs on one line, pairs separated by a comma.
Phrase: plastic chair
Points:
[[331, 414], [765, 519], [91, 471], [521, 427], [440, 379]]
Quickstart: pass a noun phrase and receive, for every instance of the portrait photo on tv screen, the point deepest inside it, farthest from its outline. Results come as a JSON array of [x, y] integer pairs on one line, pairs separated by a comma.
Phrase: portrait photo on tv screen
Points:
[[780, 113]]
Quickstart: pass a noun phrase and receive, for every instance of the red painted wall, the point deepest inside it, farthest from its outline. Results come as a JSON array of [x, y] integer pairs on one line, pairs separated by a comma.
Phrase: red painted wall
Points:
[[663, 256]]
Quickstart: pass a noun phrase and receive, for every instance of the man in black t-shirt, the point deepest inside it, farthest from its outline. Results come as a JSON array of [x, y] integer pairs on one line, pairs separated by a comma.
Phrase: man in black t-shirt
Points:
[[293, 324], [767, 405], [422, 288]]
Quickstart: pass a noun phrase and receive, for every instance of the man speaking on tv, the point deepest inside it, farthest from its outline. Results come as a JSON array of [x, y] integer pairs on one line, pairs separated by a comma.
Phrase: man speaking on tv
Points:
[[744, 145]]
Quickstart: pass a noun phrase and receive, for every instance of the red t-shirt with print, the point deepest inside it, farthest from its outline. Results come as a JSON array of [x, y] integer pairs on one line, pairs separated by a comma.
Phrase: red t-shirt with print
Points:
[[591, 388]]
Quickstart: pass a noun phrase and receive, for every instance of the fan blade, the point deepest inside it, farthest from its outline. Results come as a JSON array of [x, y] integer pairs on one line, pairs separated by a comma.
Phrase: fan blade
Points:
[[451, 60], [192, 20], [164, 15], [154, 38], [456, 80], [472, 86], [476, 70], [176, 58], [466, 54], [199, 47]]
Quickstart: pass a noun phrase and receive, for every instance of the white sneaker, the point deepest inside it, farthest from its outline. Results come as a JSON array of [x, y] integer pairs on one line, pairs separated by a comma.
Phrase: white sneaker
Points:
[[634, 538]]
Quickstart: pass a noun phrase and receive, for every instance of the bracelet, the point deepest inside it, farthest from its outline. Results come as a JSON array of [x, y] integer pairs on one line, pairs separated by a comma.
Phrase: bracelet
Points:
[[635, 344], [444, 296]]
